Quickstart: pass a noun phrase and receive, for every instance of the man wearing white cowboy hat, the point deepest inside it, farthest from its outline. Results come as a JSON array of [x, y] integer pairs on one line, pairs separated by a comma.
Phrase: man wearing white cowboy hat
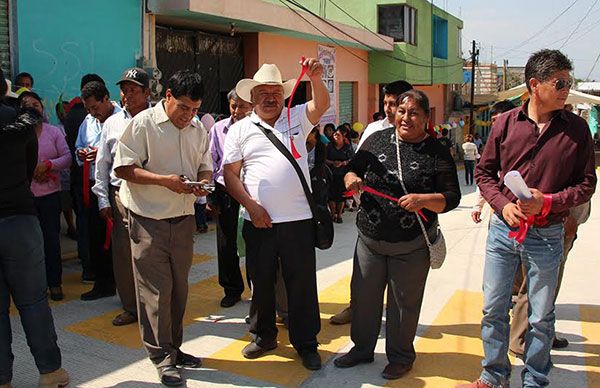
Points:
[[278, 221]]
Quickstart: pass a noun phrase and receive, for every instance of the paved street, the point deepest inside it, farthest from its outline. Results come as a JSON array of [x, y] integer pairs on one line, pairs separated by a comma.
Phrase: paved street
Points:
[[96, 354]]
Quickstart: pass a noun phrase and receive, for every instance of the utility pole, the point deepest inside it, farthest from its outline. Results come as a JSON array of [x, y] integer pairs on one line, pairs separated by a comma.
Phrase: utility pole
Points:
[[474, 56], [504, 74]]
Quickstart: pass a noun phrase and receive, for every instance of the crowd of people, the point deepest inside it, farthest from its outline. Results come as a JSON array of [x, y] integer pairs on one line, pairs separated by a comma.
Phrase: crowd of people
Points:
[[140, 177]]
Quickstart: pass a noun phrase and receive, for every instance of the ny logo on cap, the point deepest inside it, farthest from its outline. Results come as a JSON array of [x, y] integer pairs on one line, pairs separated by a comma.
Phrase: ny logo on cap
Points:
[[131, 73]]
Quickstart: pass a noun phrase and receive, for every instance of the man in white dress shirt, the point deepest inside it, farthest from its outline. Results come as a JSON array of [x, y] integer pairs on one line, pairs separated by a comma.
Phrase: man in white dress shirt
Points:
[[278, 221], [391, 92], [135, 91]]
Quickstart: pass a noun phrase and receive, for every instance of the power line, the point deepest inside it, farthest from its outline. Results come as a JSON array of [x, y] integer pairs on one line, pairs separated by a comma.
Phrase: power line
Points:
[[541, 30], [593, 67], [295, 3], [579, 24]]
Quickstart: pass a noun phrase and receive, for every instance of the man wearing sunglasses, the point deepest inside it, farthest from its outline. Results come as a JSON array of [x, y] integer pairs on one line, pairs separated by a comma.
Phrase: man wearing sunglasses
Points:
[[553, 151]]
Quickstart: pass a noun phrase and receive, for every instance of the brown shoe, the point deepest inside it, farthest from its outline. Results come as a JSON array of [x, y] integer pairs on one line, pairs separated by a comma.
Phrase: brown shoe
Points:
[[125, 318], [7, 385], [343, 317], [58, 378], [253, 350], [475, 384], [395, 370]]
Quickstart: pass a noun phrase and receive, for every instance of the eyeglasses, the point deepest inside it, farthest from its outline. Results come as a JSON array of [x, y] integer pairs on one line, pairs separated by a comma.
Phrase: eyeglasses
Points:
[[560, 84]]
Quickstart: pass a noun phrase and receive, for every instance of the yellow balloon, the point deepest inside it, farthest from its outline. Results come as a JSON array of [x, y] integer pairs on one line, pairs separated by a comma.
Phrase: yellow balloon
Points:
[[358, 127]]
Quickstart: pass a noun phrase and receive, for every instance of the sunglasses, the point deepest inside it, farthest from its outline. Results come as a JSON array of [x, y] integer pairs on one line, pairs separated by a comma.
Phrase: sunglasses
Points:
[[560, 84]]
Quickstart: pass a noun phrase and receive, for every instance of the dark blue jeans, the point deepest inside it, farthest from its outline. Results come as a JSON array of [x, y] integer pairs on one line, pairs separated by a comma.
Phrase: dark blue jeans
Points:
[[48, 208], [469, 168], [23, 276]]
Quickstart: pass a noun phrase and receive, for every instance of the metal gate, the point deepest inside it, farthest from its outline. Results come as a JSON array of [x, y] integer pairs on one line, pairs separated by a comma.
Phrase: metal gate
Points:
[[218, 59], [4, 39], [346, 103]]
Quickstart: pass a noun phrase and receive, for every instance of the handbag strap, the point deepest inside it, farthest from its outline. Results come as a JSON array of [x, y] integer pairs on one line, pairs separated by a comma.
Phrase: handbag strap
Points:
[[283, 149], [406, 191]]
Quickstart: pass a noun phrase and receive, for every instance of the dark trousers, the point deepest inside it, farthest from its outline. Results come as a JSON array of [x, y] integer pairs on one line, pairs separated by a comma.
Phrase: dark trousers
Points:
[[101, 259], [23, 277], [469, 168], [48, 208], [403, 268], [83, 240], [230, 276], [292, 243], [200, 215]]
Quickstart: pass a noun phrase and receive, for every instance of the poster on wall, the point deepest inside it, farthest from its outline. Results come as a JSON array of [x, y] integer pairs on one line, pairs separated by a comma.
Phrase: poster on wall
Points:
[[326, 55]]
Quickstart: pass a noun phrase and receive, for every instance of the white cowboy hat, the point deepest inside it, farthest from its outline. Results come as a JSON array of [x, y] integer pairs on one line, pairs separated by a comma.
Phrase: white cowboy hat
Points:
[[268, 74]]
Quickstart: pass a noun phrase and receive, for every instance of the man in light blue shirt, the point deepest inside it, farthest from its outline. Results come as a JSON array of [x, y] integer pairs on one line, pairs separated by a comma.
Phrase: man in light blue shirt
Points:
[[96, 99]]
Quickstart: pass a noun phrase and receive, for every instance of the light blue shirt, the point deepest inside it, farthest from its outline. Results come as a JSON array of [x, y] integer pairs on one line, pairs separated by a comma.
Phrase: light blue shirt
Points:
[[89, 135]]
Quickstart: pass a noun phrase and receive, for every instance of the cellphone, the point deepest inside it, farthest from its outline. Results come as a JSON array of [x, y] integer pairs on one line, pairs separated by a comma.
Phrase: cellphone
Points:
[[204, 186]]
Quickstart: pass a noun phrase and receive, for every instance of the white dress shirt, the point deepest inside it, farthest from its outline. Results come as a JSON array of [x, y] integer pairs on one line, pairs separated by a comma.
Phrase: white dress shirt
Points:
[[375, 126], [112, 130]]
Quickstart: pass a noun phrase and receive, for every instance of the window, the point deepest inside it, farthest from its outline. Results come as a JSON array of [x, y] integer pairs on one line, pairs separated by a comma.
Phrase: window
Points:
[[398, 22], [440, 37]]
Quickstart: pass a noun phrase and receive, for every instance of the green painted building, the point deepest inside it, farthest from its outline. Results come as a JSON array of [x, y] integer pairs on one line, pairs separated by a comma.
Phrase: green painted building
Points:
[[427, 39]]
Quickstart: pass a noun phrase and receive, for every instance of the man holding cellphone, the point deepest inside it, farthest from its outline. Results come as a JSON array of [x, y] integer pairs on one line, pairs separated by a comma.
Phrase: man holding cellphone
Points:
[[159, 146]]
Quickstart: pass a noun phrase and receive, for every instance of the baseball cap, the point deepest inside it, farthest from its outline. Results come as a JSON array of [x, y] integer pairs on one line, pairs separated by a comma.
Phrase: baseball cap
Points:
[[136, 75]]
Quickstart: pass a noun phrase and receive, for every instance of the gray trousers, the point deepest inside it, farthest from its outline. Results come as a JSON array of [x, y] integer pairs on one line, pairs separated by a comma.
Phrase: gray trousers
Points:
[[121, 252], [162, 257], [403, 268]]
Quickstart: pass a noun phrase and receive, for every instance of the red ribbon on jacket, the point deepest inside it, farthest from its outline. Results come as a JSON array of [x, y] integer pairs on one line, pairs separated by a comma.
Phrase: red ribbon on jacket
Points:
[[109, 228], [537, 220], [86, 183], [295, 152], [371, 190]]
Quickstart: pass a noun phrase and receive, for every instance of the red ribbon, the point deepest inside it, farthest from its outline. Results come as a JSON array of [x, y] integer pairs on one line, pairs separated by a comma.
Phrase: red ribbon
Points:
[[86, 183], [538, 220], [371, 190], [109, 228], [295, 152]]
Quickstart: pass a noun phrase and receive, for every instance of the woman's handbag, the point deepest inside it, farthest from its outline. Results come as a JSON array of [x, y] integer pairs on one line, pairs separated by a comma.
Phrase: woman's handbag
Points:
[[437, 248], [321, 216]]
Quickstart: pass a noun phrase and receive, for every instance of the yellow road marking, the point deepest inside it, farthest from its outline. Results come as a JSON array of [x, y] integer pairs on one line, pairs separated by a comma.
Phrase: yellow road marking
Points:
[[590, 330], [203, 299], [450, 350], [283, 366]]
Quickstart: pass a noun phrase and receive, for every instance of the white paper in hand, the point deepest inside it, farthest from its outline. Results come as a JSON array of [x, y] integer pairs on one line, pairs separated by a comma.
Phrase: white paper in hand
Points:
[[514, 181]]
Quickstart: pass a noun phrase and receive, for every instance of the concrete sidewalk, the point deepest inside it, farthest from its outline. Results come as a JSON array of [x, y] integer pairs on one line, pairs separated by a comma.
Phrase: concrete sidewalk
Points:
[[449, 349]]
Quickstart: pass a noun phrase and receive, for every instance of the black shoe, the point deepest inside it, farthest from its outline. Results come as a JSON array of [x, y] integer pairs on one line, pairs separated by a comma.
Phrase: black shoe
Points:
[[187, 360], [394, 370], [97, 293], [253, 350], [560, 343], [56, 293], [169, 376], [311, 359], [349, 360], [230, 300]]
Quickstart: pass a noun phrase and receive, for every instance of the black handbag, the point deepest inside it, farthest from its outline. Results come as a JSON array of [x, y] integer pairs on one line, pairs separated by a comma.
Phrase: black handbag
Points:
[[321, 216]]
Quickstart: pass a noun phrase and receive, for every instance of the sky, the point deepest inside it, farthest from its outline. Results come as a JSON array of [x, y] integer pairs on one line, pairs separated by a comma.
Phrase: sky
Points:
[[513, 29]]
